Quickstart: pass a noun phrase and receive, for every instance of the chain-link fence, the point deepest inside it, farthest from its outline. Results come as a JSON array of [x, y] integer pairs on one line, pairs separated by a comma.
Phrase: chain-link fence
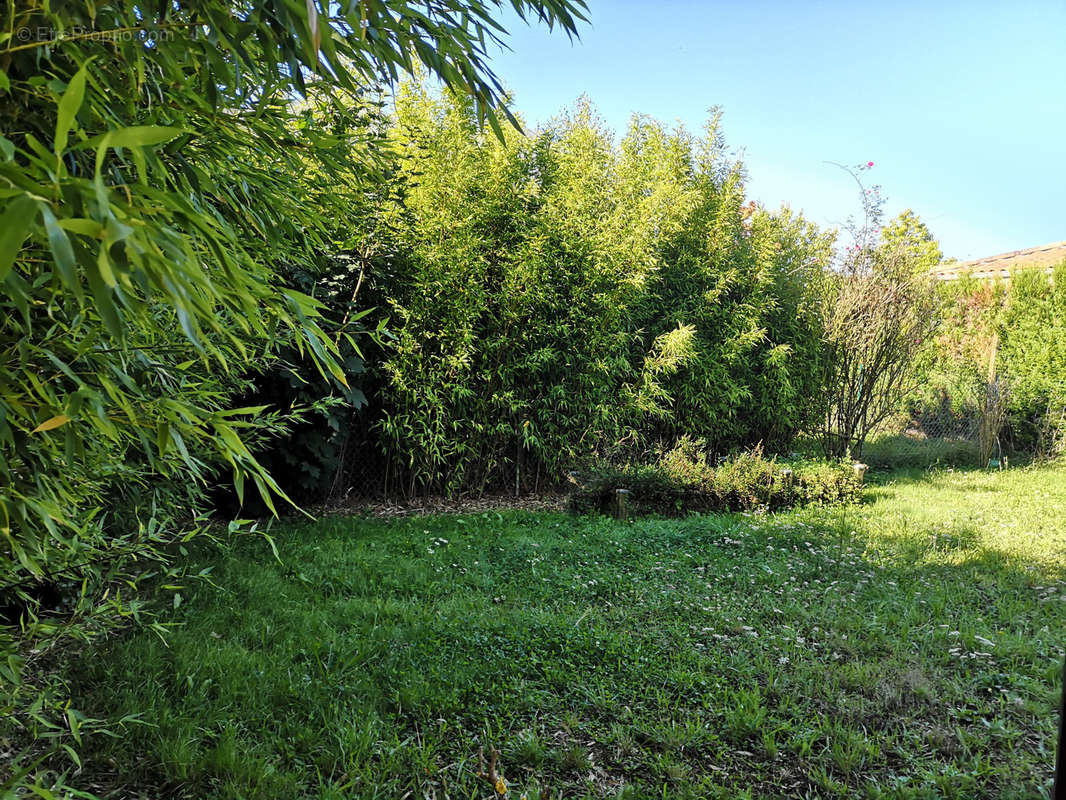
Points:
[[362, 471], [952, 432], [903, 442], [925, 437], [966, 430]]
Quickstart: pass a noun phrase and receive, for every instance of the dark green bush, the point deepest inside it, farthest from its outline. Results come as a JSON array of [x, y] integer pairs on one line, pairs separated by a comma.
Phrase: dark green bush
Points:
[[1032, 353], [682, 481]]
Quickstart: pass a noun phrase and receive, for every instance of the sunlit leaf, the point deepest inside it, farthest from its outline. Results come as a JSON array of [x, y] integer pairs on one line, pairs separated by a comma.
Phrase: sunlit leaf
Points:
[[51, 423]]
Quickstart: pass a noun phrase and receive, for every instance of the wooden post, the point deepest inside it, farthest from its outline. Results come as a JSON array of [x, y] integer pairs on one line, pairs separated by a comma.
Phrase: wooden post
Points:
[[621, 498]]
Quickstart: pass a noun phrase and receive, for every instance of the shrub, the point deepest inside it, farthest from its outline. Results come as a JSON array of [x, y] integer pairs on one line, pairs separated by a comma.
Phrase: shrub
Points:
[[556, 296], [682, 481], [880, 306], [1032, 355], [164, 169], [1006, 336]]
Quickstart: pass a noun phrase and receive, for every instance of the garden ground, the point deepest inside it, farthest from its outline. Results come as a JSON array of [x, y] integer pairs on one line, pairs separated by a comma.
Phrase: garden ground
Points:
[[908, 647]]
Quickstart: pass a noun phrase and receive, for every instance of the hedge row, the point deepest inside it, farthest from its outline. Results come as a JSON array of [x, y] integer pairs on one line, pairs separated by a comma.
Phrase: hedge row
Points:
[[680, 484]]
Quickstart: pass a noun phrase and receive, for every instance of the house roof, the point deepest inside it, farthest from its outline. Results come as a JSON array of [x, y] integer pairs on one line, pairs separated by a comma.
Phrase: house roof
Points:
[[1000, 266]]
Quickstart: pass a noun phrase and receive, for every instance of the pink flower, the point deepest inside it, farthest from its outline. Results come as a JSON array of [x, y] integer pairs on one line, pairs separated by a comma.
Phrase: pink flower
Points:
[[869, 163]]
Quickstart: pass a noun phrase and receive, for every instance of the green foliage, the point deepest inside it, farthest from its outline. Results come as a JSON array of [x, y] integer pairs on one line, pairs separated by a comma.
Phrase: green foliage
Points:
[[906, 235], [908, 647], [951, 368], [557, 297], [1033, 359], [309, 461], [683, 481], [165, 172], [1016, 330]]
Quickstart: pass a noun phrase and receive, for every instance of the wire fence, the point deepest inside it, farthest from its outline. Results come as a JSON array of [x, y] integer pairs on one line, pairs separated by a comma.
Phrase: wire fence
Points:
[[947, 433], [928, 439], [910, 442], [362, 472], [951, 432]]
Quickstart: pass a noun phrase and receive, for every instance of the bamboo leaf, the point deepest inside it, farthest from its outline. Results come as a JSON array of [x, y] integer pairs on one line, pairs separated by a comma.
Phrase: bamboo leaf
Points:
[[133, 136], [85, 227], [52, 423], [14, 228], [316, 33], [69, 104], [62, 252]]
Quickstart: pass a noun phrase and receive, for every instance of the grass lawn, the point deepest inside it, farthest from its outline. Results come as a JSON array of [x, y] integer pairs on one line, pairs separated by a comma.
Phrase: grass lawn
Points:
[[910, 647]]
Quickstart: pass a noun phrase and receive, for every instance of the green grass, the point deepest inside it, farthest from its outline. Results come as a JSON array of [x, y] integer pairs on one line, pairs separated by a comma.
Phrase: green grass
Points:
[[910, 647], [898, 451]]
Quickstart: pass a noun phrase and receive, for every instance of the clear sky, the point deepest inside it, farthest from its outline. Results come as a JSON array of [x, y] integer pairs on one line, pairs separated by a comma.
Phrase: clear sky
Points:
[[962, 106]]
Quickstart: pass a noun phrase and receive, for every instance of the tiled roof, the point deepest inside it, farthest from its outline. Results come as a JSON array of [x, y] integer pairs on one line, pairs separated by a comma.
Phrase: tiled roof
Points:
[[1000, 266]]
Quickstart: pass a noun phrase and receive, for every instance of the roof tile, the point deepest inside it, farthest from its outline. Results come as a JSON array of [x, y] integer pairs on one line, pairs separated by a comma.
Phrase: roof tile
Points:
[[1000, 266]]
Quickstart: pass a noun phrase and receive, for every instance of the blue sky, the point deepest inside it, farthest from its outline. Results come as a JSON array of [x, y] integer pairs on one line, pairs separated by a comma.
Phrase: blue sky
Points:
[[962, 106]]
